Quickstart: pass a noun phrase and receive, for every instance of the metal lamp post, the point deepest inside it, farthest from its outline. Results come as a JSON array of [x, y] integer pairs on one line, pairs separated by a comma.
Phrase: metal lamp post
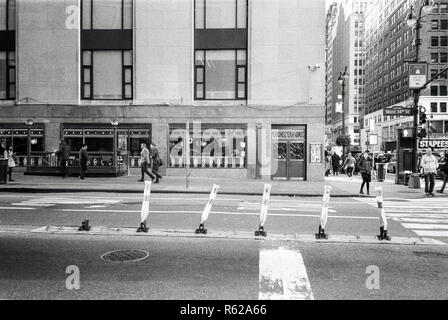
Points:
[[29, 123], [114, 124], [413, 21], [341, 80]]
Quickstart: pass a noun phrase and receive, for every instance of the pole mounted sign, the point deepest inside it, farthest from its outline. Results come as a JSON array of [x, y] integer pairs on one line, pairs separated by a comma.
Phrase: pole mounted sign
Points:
[[418, 75], [397, 111]]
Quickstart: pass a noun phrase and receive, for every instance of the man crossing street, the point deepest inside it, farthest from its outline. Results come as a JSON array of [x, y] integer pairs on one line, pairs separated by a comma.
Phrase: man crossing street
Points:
[[429, 165]]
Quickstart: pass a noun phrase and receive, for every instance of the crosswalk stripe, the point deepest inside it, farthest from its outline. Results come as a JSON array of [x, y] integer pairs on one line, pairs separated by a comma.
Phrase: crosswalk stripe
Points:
[[420, 220], [431, 233], [417, 215], [283, 276], [425, 226]]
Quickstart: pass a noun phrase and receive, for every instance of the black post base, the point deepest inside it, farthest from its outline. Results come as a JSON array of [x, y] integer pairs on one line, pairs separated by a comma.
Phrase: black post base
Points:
[[84, 226], [201, 229], [143, 227], [321, 234], [261, 232]]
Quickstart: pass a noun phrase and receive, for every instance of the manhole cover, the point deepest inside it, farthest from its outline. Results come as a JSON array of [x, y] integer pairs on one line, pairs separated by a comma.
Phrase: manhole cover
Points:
[[127, 255]]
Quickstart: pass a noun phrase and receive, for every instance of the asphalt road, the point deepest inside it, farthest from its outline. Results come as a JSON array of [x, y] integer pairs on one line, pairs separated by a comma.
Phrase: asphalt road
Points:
[[34, 267], [347, 216]]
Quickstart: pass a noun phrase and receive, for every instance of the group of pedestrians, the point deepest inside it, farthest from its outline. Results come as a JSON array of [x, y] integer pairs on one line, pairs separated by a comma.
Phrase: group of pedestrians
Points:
[[150, 161], [8, 153]]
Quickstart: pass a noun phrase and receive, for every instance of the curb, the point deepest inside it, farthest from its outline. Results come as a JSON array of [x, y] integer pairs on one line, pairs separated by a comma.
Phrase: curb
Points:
[[228, 235], [99, 190]]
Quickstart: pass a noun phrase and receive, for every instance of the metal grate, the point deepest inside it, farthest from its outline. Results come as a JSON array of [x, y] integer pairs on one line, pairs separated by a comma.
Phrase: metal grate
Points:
[[127, 255]]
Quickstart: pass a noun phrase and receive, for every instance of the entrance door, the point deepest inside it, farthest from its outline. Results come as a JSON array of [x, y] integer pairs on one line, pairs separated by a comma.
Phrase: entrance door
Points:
[[291, 160]]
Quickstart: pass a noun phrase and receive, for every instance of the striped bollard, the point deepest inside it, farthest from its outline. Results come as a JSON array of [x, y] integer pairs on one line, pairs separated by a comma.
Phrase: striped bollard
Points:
[[264, 211], [207, 209], [383, 219], [324, 214], [145, 207]]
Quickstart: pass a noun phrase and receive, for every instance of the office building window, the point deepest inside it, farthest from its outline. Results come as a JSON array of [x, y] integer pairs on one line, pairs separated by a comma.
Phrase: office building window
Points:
[[443, 91], [443, 57], [107, 74], [443, 108], [220, 14], [7, 75], [434, 91], [107, 14], [434, 107], [7, 15], [220, 74]]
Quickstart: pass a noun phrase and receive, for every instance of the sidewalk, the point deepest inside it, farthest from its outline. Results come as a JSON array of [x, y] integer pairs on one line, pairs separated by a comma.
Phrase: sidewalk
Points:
[[341, 186]]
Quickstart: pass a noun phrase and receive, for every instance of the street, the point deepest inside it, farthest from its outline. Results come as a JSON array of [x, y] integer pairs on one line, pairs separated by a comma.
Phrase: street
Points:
[[34, 263]]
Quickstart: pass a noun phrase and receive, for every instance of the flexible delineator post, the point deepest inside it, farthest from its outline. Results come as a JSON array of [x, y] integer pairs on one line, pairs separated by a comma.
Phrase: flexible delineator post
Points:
[[145, 207], [383, 218], [207, 210], [264, 210], [324, 214]]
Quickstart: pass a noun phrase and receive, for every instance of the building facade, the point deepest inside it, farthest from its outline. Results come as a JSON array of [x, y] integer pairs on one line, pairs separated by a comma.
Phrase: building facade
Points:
[[390, 46], [226, 88], [348, 53]]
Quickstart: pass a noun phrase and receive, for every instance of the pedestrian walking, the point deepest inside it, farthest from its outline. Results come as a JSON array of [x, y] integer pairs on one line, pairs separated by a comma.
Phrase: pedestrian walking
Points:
[[335, 162], [83, 161], [64, 155], [365, 167], [327, 164], [349, 165], [444, 172], [429, 165], [11, 162], [156, 162], [145, 160]]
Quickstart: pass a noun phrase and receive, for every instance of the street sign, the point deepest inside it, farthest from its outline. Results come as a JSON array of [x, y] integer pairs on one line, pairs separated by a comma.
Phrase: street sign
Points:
[[408, 133], [338, 107], [397, 111], [418, 75], [433, 143]]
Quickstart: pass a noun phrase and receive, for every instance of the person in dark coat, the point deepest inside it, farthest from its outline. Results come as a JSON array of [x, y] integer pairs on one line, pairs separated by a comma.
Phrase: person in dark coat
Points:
[[335, 161], [156, 162], [444, 170], [365, 164], [64, 155], [83, 161]]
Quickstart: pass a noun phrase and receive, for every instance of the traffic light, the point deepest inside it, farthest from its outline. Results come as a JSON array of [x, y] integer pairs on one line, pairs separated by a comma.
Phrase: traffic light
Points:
[[423, 118]]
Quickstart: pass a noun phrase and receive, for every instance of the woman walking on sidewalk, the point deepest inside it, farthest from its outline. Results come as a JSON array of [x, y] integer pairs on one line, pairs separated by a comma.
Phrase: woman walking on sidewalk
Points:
[[349, 165], [365, 167], [9, 154]]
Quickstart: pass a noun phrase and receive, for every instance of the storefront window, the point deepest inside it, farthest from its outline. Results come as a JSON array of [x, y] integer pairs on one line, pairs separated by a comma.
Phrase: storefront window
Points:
[[436, 126], [217, 147]]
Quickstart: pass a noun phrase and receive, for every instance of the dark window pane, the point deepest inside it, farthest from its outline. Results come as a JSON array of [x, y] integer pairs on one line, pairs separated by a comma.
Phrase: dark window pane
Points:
[[74, 143], [99, 144], [3, 75], [443, 107], [434, 107], [443, 90], [37, 144], [434, 91], [434, 41], [20, 145]]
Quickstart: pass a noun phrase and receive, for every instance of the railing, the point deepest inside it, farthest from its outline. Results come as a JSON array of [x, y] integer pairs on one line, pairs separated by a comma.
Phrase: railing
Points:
[[209, 162]]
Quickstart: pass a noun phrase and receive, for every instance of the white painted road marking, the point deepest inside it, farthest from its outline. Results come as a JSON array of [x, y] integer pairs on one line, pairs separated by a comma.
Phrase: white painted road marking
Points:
[[218, 213], [15, 208], [283, 276], [425, 217]]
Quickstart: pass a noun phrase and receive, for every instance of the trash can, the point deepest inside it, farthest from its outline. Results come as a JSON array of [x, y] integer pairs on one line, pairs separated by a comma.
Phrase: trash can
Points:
[[381, 172], [3, 171]]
